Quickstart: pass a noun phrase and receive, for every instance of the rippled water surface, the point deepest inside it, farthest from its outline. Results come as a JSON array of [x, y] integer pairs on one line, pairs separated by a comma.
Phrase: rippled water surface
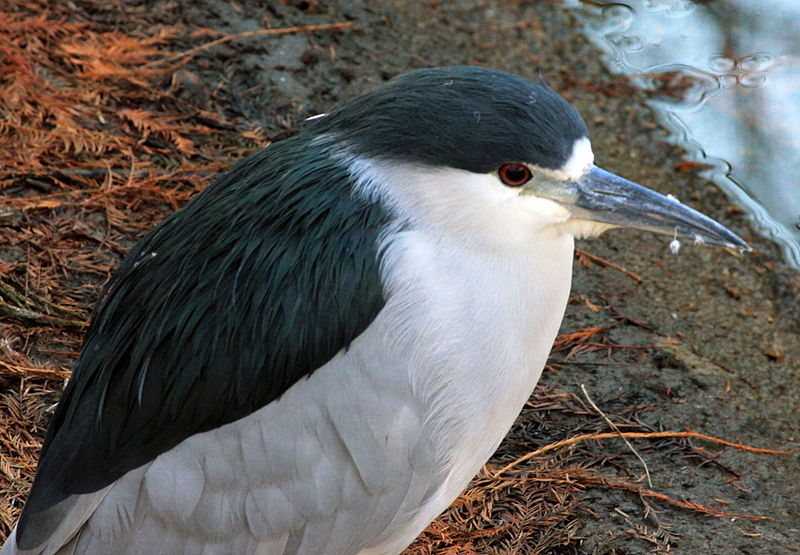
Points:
[[726, 75]]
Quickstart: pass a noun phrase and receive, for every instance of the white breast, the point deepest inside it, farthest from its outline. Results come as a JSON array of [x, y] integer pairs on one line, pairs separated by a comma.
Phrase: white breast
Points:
[[475, 332], [477, 291]]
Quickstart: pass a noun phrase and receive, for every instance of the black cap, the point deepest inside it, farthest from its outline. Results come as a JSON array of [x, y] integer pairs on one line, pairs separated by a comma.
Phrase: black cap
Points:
[[466, 117]]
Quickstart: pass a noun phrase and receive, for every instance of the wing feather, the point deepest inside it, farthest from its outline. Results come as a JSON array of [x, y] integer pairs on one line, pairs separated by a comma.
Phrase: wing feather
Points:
[[254, 284]]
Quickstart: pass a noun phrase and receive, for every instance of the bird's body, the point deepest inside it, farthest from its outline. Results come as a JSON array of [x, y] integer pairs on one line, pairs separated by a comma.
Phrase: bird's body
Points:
[[318, 353]]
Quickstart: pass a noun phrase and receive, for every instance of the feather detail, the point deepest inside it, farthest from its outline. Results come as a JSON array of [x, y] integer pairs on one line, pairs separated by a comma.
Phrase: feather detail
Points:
[[254, 284]]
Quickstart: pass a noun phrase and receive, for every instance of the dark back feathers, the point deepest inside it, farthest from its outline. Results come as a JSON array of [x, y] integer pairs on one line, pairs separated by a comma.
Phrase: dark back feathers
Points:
[[254, 284]]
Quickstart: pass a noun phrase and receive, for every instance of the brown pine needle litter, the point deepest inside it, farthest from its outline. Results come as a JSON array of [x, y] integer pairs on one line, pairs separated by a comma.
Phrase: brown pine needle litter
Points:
[[99, 140], [633, 435]]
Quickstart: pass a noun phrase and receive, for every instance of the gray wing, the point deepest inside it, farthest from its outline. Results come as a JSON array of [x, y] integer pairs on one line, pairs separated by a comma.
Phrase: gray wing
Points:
[[340, 463]]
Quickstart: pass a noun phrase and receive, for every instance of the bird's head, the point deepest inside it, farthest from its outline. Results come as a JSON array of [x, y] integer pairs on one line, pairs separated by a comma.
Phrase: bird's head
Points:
[[465, 148]]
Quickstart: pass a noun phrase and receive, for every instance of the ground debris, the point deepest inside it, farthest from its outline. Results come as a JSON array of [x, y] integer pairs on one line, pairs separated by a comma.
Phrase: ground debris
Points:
[[86, 133]]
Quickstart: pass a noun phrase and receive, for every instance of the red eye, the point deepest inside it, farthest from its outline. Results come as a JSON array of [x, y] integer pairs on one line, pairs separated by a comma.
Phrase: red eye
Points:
[[514, 175]]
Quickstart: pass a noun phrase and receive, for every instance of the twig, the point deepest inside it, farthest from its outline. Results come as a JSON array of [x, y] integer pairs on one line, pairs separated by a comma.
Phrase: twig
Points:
[[248, 34], [621, 315], [692, 505], [634, 435], [33, 317], [614, 426], [11, 305], [608, 263], [30, 371]]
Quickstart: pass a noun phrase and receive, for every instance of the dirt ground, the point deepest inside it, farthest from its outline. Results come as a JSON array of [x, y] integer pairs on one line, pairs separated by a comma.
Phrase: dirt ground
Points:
[[704, 341]]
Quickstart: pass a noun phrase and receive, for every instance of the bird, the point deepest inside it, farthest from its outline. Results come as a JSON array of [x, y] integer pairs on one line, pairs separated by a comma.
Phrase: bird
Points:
[[319, 351]]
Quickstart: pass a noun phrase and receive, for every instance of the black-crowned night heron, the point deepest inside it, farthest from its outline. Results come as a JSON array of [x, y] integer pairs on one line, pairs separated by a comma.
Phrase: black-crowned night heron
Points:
[[318, 352]]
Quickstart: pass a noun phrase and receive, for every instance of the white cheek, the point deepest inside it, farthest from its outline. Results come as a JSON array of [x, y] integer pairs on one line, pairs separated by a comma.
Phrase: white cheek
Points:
[[464, 206], [543, 212]]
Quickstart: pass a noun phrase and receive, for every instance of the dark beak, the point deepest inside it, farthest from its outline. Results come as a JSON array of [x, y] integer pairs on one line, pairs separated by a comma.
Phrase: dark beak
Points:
[[604, 197]]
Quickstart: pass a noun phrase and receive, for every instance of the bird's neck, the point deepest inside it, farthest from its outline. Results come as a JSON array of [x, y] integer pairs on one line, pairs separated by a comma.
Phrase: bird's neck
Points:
[[477, 329]]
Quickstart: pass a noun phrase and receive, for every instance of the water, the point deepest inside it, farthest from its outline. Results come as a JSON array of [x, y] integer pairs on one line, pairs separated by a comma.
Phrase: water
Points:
[[726, 81]]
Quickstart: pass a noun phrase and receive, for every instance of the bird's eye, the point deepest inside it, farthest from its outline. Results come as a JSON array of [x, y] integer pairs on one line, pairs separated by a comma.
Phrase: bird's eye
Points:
[[514, 175]]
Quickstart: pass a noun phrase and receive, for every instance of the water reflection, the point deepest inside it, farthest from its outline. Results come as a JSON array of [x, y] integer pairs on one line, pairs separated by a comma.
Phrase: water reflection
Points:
[[727, 76]]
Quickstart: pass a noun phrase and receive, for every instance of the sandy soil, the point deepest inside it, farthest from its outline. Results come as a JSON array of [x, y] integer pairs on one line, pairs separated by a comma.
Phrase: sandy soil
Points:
[[730, 367]]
